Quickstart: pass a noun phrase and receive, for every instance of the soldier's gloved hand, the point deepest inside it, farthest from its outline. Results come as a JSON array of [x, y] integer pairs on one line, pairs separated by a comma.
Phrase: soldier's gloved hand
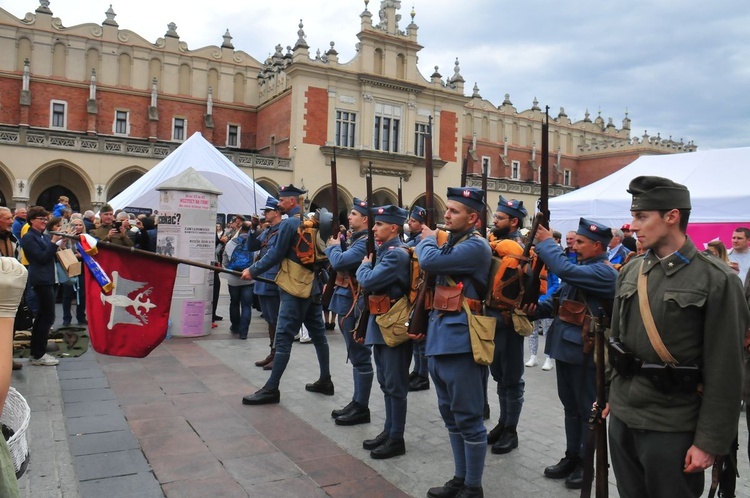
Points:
[[13, 277]]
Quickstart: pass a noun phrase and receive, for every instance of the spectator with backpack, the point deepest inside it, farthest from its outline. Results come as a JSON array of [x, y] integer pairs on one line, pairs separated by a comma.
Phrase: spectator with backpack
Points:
[[237, 257]]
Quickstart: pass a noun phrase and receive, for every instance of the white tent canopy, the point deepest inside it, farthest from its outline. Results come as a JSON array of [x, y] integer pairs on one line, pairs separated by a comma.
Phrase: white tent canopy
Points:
[[240, 195], [718, 181]]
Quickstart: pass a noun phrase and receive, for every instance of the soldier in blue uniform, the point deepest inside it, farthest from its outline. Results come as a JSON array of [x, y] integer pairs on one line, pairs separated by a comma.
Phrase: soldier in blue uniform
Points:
[[268, 293], [507, 365], [591, 282], [293, 311], [419, 379], [459, 381], [342, 303], [389, 277]]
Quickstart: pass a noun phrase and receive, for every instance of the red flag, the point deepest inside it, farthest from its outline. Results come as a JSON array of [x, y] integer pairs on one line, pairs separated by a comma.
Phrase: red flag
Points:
[[133, 318]]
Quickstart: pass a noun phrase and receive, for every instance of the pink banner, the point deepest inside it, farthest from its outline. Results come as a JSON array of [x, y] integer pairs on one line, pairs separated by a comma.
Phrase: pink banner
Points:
[[703, 233]]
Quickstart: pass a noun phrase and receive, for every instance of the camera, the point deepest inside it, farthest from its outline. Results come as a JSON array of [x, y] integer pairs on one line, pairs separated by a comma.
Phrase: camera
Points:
[[118, 224]]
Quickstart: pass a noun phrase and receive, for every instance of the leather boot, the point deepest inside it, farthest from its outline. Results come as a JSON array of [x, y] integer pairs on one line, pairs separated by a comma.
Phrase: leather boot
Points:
[[264, 396], [344, 410], [471, 492], [371, 444], [575, 479], [17, 365], [507, 442], [494, 435], [359, 414], [419, 383], [269, 365], [448, 490], [265, 361], [389, 449], [323, 386], [564, 467]]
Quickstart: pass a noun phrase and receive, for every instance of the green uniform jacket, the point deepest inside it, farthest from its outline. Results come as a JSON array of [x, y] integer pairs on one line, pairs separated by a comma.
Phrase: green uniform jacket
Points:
[[102, 233], [701, 315]]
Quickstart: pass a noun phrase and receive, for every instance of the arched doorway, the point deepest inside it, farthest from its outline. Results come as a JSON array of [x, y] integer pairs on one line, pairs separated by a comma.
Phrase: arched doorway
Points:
[[439, 206], [269, 186], [6, 188], [122, 182], [324, 198], [384, 197], [49, 183]]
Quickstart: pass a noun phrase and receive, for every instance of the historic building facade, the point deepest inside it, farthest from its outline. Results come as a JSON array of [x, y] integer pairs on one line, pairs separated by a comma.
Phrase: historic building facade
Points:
[[86, 110]]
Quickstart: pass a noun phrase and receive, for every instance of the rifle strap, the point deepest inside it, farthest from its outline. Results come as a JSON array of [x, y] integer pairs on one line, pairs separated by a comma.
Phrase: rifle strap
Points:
[[715, 473], [648, 319]]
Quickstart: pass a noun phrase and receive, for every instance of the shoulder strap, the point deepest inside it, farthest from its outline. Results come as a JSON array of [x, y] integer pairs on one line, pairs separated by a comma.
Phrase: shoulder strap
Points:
[[648, 319]]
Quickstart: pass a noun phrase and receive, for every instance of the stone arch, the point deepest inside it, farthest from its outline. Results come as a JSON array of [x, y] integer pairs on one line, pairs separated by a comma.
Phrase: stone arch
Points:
[[66, 176], [92, 62], [401, 66], [59, 60], [6, 187], [184, 80], [439, 206], [213, 82], [468, 124], [378, 62], [485, 128], [154, 71], [23, 51], [324, 198], [383, 196], [124, 69], [123, 179], [239, 87], [270, 186]]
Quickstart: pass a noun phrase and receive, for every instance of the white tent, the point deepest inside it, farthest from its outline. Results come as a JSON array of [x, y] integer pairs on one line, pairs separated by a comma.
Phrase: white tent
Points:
[[237, 188], [718, 180]]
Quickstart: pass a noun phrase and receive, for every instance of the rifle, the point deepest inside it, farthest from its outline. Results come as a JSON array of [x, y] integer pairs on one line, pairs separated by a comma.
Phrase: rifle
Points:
[[465, 168], [485, 167], [597, 440], [331, 285], [360, 330], [416, 326], [531, 293]]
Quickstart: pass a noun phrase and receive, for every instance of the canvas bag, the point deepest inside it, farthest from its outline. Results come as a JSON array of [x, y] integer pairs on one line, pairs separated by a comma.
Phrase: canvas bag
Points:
[[392, 323], [295, 279], [481, 333]]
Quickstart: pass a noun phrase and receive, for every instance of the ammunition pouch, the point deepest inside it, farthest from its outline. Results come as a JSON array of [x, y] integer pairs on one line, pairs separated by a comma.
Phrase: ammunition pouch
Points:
[[448, 298], [668, 379], [572, 312], [379, 303]]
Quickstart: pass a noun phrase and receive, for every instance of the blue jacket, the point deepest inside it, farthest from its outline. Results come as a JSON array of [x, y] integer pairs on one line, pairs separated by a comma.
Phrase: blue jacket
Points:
[[263, 243], [594, 277], [346, 261], [390, 275], [466, 263], [18, 224], [40, 252]]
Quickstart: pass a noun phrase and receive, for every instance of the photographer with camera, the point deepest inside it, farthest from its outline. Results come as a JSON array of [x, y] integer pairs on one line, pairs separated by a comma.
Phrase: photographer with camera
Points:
[[111, 231]]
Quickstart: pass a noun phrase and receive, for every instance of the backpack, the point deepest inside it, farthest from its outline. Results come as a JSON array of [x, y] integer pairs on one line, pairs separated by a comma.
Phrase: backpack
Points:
[[510, 275], [310, 247], [241, 258]]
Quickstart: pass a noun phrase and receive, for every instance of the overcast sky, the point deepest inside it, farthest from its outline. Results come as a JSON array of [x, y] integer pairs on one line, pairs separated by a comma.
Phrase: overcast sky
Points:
[[681, 68]]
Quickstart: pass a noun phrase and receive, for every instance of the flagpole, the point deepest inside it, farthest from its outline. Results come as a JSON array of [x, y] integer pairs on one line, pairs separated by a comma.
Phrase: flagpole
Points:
[[160, 257]]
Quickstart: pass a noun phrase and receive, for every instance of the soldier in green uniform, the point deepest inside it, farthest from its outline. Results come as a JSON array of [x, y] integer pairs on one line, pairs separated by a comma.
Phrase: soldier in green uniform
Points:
[[672, 416]]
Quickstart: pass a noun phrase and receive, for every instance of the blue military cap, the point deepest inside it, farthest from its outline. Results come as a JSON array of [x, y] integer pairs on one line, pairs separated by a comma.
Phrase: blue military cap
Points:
[[595, 231], [470, 196], [271, 204], [360, 206], [512, 207], [290, 191], [390, 214], [419, 214]]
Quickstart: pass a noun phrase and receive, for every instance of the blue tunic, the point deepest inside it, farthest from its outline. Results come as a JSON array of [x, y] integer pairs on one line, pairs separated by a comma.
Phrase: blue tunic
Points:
[[346, 261], [263, 243]]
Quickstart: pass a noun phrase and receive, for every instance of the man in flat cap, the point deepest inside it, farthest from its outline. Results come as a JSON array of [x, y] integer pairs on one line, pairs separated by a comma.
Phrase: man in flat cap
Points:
[[389, 279], [419, 379], [679, 319], [591, 283], [346, 262], [293, 310], [507, 366], [459, 382]]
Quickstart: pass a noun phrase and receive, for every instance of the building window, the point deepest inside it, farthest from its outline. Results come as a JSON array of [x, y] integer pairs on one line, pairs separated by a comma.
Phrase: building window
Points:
[[566, 178], [233, 136], [515, 170], [386, 136], [346, 123], [58, 114], [122, 126], [486, 165], [420, 132], [179, 128]]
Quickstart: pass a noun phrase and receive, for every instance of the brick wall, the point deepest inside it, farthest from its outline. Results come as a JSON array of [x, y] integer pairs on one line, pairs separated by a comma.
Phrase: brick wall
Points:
[[316, 116], [448, 136], [275, 120]]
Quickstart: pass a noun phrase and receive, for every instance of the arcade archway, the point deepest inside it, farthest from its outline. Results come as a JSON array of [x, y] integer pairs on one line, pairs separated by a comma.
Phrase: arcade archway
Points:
[[324, 198], [60, 179], [123, 181]]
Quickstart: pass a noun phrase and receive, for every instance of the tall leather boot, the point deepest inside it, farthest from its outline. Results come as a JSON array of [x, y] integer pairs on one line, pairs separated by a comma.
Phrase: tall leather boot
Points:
[[271, 336]]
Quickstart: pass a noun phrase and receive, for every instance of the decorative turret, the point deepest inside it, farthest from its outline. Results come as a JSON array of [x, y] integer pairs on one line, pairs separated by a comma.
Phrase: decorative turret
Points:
[[110, 20], [227, 40], [475, 92], [171, 31]]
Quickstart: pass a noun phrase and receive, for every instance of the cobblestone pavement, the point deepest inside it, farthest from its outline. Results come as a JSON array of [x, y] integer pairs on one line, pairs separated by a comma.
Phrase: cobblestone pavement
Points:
[[172, 424]]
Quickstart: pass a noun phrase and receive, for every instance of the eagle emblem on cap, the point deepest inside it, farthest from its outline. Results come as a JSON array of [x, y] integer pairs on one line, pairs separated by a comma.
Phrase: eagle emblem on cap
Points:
[[381, 211], [593, 228], [363, 203], [282, 187], [467, 193], [509, 203]]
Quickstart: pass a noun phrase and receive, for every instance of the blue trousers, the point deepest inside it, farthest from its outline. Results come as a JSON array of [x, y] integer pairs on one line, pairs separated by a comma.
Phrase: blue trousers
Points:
[[293, 312], [269, 308], [459, 385], [420, 360], [507, 369], [392, 366], [576, 387], [360, 357], [240, 308]]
